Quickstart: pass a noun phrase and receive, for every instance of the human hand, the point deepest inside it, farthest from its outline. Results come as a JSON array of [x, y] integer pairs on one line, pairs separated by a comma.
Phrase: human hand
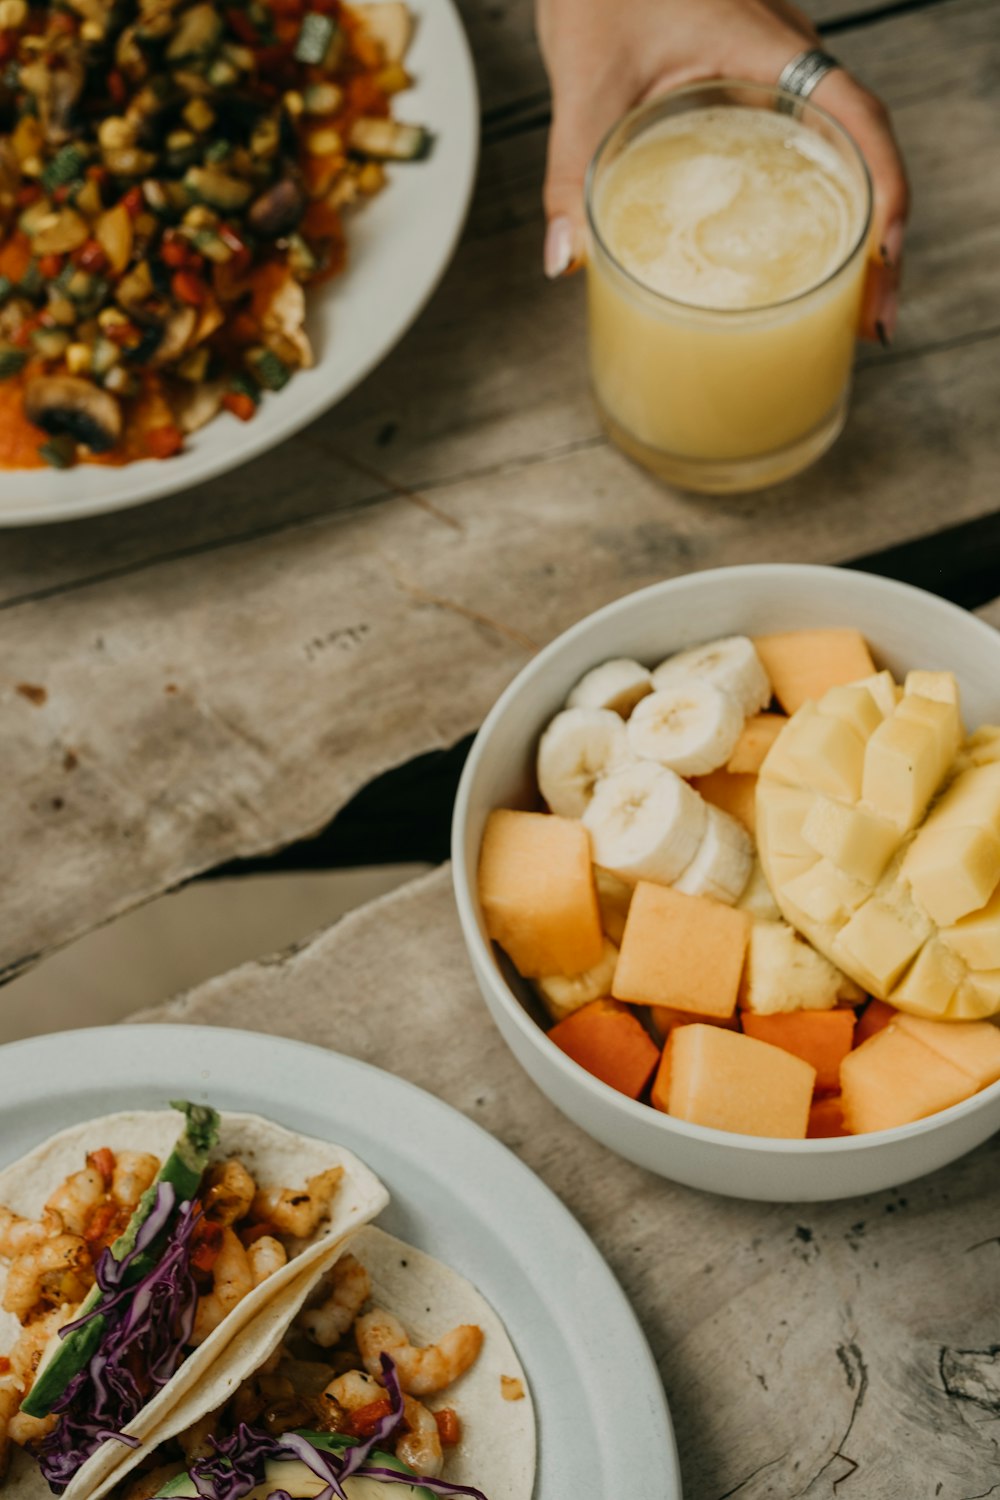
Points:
[[604, 56]]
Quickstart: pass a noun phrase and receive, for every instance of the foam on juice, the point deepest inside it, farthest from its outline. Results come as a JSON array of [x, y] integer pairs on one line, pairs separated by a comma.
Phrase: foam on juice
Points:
[[729, 208]]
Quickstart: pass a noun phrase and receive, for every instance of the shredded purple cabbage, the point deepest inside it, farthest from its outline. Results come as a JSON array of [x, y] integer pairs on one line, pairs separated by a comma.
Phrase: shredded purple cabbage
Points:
[[148, 1325], [237, 1464]]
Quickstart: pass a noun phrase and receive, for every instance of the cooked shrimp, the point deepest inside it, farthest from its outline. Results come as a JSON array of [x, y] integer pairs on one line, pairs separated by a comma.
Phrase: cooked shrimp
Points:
[[421, 1371], [57, 1271], [353, 1390], [147, 1485], [230, 1192], [75, 1199], [297, 1212], [265, 1256], [195, 1440], [18, 1234], [421, 1446], [350, 1287], [24, 1429], [232, 1279], [133, 1174]]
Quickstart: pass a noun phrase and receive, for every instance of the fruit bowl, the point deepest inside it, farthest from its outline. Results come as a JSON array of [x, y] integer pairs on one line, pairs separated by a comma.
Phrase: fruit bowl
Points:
[[906, 628]]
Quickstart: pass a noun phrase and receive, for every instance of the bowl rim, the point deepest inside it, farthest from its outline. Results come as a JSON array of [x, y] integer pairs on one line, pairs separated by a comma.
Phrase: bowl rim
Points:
[[481, 951]]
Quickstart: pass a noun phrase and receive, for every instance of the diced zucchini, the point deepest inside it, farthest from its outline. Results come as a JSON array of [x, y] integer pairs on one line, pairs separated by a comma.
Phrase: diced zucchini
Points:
[[6, 287], [388, 140], [240, 385], [315, 37], [197, 33], [105, 355], [267, 368], [59, 452], [12, 361], [222, 74], [50, 343], [210, 244], [66, 166], [301, 261], [217, 189], [31, 283], [391, 24], [217, 151]]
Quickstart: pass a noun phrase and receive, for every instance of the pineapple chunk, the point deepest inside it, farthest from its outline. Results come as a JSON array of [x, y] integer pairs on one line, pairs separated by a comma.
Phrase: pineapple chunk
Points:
[[783, 973]]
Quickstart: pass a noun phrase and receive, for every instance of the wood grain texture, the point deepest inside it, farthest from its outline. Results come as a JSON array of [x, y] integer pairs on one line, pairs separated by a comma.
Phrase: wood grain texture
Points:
[[800, 1347], [222, 670]]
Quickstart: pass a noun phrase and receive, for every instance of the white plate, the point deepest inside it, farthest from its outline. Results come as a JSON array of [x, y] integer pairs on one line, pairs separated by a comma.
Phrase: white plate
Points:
[[603, 1425], [398, 247]]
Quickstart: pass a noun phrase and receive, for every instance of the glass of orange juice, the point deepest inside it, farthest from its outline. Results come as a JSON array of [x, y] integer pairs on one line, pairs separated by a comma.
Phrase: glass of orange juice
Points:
[[729, 227]]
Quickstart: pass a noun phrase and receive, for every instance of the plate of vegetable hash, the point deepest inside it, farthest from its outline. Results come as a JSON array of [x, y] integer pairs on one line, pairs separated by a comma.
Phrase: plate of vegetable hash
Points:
[[214, 221]]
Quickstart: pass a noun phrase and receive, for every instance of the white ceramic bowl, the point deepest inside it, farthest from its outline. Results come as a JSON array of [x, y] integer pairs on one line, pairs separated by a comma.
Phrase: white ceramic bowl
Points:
[[905, 628]]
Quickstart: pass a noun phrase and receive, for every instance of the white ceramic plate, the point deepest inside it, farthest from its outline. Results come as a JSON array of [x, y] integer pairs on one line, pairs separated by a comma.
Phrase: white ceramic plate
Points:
[[603, 1424], [398, 248]]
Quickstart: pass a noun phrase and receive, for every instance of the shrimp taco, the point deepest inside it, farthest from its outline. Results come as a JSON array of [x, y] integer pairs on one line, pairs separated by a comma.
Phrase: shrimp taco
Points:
[[391, 1377], [132, 1259]]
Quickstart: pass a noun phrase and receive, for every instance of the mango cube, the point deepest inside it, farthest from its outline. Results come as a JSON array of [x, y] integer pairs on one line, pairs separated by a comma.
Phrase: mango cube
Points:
[[976, 938], [854, 839], [894, 1079], [729, 1081], [983, 747], [972, 801], [828, 753], [804, 664], [941, 686], [825, 894], [782, 821], [685, 952], [941, 718], [952, 871], [978, 997], [855, 705], [883, 689], [973, 1046], [902, 767], [734, 794], [536, 886], [759, 734], [931, 982], [877, 944]]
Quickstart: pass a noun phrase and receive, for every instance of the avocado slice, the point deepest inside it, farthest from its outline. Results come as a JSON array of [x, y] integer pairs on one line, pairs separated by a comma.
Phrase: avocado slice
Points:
[[184, 1168], [298, 1480]]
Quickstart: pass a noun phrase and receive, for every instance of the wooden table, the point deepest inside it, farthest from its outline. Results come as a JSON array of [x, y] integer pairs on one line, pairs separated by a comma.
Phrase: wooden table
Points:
[[212, 677]]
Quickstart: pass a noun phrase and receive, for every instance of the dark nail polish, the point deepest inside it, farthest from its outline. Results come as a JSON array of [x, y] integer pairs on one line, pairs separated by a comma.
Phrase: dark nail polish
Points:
[[883, 337], [885, 257]]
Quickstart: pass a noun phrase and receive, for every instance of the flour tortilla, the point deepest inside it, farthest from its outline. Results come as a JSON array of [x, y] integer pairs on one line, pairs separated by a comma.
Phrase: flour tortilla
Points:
[[275, 1157], [497, 1452]]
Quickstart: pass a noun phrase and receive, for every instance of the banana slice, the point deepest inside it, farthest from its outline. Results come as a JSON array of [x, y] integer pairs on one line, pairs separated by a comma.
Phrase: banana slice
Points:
[[579, 746], [562, 994], [690, 726], [730, 664], [618, 685], [721, 868], [645, 823]]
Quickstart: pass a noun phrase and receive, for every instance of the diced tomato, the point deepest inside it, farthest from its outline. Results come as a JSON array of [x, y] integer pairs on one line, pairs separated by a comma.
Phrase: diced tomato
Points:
[[61, 194], [21, 337], [207, 1236], [164, 442], [244, 329], [103, 1161], [241, 24], [4, 1364], [365, 1420], [256, 1231], [8, 45], [62, 21], [187, 287], [29, 193], [124, 334], [97, 173], [134, 202], [117, 87], [174, 251], [91, 256], [449, 1426], [240, 404], [50, 266], [99, 1223]]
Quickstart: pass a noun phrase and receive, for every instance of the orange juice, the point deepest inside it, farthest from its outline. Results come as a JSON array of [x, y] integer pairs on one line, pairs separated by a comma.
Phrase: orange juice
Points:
[[725, 280]]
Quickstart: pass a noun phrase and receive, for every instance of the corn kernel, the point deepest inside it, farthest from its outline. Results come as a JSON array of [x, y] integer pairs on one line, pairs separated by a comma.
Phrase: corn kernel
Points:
[[293, 103], [13, 13], [115, 133], [324, 142], [78, 359], [199, 114]]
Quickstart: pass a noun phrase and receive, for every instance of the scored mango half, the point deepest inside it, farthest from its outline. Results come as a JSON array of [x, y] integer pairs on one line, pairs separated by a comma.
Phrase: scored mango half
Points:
[[878, 829]]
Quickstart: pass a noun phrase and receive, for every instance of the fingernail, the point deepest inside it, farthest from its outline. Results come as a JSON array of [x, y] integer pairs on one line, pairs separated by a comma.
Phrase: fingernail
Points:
[[891, 248], [558, 247], [889, 311]]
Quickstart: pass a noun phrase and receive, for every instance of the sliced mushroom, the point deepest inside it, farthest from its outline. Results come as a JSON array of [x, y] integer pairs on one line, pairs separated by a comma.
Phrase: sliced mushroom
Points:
[[176, 337], [278, 210], [66, 404]]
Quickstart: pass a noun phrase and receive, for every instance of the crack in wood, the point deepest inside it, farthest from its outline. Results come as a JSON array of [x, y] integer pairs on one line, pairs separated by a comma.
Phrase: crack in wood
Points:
[[390, 486], [856, 1373], [759, 1470], [438, 601], [972, 1375]]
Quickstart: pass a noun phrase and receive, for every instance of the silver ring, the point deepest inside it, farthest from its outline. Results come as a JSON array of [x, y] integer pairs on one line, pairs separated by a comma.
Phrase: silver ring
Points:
[[803, 73]]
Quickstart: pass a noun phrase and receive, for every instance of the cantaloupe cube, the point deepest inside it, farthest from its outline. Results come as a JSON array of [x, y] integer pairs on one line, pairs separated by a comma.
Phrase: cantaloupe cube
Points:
[[876, 1016], [893, 1079], [759, 734], [803, 664], [608, 1040], [681, 951], [729, 1081], [820, 1037], [663, 1020], [734, 794], [826, 1118], [536, 885], [973, 1046]]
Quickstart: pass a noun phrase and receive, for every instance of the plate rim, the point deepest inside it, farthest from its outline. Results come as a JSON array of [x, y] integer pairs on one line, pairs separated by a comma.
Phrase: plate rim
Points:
[[161, 479], [157, 1045]]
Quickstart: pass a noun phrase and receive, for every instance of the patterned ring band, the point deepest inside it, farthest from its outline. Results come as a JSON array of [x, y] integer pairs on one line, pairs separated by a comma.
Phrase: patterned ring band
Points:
[[803, 73]]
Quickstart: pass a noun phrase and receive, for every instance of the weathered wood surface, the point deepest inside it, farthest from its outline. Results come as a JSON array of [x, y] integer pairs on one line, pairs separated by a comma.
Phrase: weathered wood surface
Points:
[[817, 1351], [223, 670]]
